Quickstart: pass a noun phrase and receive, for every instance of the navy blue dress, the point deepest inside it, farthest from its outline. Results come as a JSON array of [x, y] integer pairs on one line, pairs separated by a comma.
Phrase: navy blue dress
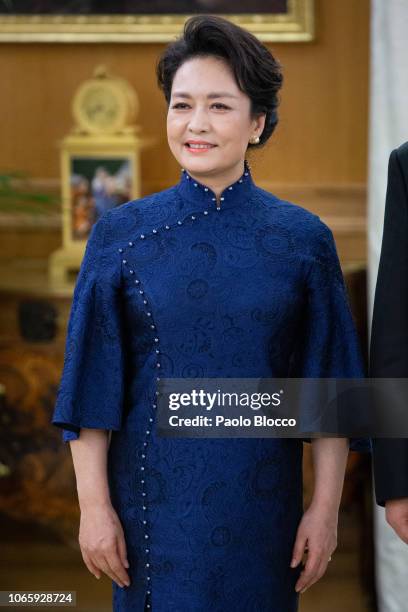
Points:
[[172, 285]]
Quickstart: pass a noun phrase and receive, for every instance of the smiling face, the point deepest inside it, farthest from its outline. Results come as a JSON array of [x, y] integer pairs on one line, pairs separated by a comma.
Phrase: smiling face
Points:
[[207, 106]]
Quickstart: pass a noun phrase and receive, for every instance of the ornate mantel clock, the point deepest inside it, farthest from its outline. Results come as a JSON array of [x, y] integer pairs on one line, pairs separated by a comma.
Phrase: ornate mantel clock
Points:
[[105, 105], [100, 165]]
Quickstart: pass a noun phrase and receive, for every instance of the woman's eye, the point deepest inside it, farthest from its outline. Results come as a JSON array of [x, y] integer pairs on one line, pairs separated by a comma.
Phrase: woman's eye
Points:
[[182, 104]]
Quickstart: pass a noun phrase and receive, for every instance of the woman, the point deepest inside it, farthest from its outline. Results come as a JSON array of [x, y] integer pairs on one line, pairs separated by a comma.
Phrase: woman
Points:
[[213, 277]]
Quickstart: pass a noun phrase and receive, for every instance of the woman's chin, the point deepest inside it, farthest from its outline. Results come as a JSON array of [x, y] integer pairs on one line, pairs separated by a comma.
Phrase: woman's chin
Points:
[[199, 163]]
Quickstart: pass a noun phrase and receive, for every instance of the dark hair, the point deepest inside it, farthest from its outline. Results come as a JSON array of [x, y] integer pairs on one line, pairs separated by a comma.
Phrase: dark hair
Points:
[[257, 73]]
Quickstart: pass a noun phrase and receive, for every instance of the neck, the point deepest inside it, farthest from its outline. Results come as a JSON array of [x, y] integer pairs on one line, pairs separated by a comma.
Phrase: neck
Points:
[[201, 194], [218, 183]]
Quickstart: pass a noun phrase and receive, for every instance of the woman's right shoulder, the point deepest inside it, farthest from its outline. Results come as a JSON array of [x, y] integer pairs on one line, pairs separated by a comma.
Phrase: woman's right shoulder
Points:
[[137, 215]]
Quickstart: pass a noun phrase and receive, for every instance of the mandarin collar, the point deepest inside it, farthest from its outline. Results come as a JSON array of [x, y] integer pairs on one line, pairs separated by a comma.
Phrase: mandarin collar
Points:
[[204, 197]]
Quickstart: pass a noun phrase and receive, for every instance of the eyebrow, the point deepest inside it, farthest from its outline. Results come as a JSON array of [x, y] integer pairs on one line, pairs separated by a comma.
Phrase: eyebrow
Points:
[[213, 94]]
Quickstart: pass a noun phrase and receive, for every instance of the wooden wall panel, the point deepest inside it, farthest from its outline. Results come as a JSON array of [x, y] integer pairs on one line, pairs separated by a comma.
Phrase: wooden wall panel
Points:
[[323, 130]]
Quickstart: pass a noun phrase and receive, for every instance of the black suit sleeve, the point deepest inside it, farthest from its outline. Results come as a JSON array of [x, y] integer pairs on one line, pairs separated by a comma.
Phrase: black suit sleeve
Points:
[[389, 336]]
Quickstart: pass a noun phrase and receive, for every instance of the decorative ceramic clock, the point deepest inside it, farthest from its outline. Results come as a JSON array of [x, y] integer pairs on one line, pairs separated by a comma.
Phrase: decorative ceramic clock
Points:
[[100, 166], [104, 104]]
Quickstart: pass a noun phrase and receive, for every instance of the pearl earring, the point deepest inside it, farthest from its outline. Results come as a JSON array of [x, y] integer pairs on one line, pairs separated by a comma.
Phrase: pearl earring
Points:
[[254, 140]]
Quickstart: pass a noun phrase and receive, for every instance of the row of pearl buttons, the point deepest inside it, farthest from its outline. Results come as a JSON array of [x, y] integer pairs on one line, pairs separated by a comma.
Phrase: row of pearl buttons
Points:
[[155, 231], [158, 365], [142, 467]]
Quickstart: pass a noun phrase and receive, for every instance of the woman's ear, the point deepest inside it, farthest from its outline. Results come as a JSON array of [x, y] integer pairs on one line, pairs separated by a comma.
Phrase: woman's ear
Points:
[[260, 123]]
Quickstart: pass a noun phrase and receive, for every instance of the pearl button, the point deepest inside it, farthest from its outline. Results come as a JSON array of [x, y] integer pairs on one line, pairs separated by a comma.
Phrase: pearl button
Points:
[[143, 456], [147, 550], [240, 181], [213, 199], [206, 212], [157, 351], [144, 522], [187, 176], [147, 564], [120, 250], [142, 468], [205, 188], [195, 185], [151, 419], [144, 494], [193, 217], [137, 281], [147, 432], [144, 301], [167, 226], [142, 236], [152, 326], [156, 339], [246, 173], [154, 231], [142, 482], [149, 314], [124, 261], [130, 243], [222, 199], [144, 507], [141, 291], [179, 222], [148, 578], [146, 536], [230, 188], [131, 271]]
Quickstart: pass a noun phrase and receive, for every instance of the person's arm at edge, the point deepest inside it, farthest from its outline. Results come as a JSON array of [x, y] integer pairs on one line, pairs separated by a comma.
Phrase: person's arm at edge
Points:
[[389, 343]]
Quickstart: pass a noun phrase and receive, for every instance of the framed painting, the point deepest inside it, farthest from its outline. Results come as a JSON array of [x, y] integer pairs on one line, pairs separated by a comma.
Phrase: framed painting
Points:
[[96, 184], [147, 20], [96, 175]]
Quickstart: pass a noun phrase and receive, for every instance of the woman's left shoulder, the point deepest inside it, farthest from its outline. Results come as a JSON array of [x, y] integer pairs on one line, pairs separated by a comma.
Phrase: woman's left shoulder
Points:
[[306, 226]]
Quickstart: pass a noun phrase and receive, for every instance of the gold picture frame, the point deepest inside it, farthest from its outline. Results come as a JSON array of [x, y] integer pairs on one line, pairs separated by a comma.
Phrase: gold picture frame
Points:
[[94, 152], [296, 24]]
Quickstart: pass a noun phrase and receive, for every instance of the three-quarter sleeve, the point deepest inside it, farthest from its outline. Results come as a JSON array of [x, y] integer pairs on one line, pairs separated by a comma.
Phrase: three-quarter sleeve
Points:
[[90, 392], [328, 344]]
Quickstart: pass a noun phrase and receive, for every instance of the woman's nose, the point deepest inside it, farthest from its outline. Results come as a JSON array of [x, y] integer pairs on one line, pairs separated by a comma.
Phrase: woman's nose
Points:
[[198, 120]]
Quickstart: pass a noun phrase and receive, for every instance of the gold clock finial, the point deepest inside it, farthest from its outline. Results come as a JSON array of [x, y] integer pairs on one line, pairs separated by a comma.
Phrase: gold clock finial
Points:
[[100, 72]]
